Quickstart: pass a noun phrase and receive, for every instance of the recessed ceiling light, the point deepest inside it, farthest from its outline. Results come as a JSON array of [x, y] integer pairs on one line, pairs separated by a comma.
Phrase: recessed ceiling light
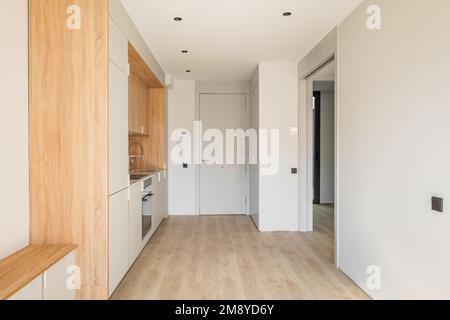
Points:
[[188, 71], [178, 19], [184, 51], [287, 14]]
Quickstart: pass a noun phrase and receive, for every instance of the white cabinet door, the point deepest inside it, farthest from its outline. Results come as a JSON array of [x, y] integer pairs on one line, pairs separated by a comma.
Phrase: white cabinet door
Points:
[[156, 201], [57, 284], [118, 46], [118, 239], [164, 196], [33, 291], [118, 130], [135, 225]]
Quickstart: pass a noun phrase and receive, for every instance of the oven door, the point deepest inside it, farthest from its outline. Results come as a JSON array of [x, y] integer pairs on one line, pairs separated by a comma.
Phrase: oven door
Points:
[[147, 213]]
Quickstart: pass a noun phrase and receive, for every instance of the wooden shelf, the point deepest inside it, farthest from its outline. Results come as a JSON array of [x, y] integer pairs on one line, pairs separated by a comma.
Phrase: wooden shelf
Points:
[[19, 269], [136, 134]]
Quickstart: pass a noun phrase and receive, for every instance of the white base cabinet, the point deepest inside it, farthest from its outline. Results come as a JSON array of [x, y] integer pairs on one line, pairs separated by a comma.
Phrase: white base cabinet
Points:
[[135, 225], [54, 284], [125, 229], [33, 291], [57, 283], [118, 239]]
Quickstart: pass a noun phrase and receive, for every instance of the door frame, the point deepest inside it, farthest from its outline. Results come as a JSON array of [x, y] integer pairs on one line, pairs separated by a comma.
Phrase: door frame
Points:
[[316, 147], [306, 193], [219, 88]]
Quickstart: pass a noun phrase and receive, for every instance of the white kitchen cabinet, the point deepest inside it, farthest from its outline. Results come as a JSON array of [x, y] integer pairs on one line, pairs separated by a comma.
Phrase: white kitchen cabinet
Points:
[[56, 280], [118, 46], [135, 225], [118, 130], [51, 264], [118, 239], [33, 291], [156, 201], [165, 199]]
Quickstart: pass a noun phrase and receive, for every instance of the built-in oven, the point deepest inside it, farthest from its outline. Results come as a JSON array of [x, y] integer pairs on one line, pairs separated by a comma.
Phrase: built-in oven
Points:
[[147, 198]]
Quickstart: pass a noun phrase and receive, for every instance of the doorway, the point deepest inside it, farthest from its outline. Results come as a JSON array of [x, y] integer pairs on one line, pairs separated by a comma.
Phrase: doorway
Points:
[[320, 159], [324, 156], [222, 188]]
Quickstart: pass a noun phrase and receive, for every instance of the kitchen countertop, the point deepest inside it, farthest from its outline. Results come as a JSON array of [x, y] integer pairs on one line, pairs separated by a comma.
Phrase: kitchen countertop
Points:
[[146, 174]]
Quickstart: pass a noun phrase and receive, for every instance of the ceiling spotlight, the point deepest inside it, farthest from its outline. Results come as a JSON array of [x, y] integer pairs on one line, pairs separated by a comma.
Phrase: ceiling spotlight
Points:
[[287, 14], [184, 51], [178, 19]]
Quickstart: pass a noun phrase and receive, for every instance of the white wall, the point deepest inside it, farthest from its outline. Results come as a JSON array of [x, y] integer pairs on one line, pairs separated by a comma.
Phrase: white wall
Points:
[[14, 218], [327, 147], [278, 104], [183, 105], [394, 147], [181, 114]]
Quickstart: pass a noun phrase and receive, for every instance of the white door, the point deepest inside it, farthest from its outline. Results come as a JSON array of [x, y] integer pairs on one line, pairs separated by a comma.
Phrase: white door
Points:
[[118, 129], [156, 201], [56, 280], [222, 186], [135, 222], [118, 238]]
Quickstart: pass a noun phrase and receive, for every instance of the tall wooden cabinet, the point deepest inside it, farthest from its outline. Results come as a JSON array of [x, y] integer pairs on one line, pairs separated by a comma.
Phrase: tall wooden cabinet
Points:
[[79, 136]]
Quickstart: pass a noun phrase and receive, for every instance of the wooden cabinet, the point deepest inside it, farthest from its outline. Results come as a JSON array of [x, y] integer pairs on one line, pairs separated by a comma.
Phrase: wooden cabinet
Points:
[[135, 224], [118, 239], [118, 129], [33, 291], [56, 280]]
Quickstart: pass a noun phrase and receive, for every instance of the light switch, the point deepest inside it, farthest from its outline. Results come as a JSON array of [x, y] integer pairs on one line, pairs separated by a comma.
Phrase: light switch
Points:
[[437, 204]]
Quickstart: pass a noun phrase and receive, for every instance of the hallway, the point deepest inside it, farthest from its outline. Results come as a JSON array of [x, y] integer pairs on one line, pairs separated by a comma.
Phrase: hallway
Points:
[[225, 257]]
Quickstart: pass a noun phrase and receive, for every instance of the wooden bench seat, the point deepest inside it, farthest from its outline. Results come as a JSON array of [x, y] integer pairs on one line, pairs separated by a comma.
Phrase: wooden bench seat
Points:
[[22, 267]]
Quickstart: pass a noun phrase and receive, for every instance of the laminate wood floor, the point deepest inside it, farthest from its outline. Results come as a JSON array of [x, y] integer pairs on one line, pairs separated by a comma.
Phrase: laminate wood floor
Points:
[[225, 257]]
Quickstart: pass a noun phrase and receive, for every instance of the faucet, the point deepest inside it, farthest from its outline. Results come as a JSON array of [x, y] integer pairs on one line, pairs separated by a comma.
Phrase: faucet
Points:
[[140, 146]]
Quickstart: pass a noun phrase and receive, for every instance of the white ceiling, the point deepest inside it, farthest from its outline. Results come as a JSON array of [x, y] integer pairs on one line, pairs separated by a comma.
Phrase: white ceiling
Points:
[[226, 39]]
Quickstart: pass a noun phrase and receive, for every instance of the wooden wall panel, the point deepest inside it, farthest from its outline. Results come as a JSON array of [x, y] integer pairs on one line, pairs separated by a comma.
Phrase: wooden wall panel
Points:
[[153, 142], [68, 128], [156, 119], [138, 104], [139, 66]]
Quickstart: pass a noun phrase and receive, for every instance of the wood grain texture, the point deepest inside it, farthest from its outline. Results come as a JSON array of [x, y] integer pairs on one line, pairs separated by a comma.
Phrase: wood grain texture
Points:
[[226, 258], [19, 269], [146, 116], [68, 132], [138, 104], [157, 129], [138, 65]]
